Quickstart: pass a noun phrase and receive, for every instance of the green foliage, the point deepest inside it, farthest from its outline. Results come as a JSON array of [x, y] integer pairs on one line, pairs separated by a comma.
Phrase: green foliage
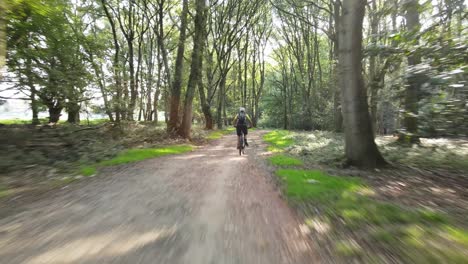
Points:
[[217, 134], [431, 153], [421, 235], [45, 55], [134, 155], [88, 170], [4, 191], [323, 147], [283, 160], [304, 184], [348, 248], [458, 234], [94, 122], [15, 122], [278, 139]]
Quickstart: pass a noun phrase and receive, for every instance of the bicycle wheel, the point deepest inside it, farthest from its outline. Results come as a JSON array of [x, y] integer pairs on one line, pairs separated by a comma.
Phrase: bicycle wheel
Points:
[[240, 146]]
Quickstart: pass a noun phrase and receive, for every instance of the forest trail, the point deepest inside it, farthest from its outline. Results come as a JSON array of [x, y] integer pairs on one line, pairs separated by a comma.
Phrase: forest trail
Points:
[[210, 206]]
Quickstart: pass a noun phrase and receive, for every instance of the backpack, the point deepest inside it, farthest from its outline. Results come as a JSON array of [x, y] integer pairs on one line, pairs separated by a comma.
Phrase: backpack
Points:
[[241, 118]]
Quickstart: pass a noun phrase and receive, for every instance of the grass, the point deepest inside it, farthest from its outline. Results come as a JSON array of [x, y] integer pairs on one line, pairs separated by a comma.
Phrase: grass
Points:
[[359, 225], [422, 235], [322, 147], [446, 156], [94, 122], [309, 184], [133, 155], [16, 121], [4, 191], [278, 140], [217, 134], [283, 160], [89, 170]]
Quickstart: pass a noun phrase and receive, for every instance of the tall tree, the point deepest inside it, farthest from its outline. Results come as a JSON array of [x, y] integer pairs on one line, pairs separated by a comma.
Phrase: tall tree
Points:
[[116, 62], [196, 68], [178, 73], [360, 148], [410, 120], [3, 8]]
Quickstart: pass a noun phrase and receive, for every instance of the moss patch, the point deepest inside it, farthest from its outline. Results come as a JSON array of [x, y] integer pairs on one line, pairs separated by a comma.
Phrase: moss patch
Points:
[[283, 160], [4, 191], [310, 184], [88, 170], [133, 155], [278, 140]]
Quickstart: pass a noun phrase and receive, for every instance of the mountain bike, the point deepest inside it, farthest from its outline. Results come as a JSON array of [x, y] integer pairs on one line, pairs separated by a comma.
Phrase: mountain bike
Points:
[[241, 144]]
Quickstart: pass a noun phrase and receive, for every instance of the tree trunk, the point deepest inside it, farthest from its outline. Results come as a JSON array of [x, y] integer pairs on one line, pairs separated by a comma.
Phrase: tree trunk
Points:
[[34, 108], [410, 120], [221, 93], [155, 106], [73, 110], [102, 87], [3, 39], [133, 87], [124, 103], [195, 71], [254, 81], [360, 147], [115, 66], [338, 80], [149, 105], [206, 109], [179, 65], [55, 111], [244, 99], [32, 88], [373, 83], [157, 93]]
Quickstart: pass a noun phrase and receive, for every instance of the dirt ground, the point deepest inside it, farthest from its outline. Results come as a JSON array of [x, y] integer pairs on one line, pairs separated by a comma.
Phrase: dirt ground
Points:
[[207, 206]]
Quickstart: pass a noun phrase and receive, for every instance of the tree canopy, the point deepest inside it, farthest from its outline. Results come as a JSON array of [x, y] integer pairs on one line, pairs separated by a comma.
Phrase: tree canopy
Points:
[[399, 68]]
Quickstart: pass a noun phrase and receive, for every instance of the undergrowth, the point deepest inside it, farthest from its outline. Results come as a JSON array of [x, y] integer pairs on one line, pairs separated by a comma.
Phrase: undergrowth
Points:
[[217, 134], [346, 212], [4, 191], [283, 160], [278, 140], [323, 147]]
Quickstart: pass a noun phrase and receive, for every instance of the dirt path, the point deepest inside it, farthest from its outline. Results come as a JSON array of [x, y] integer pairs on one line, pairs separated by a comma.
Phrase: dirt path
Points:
[[209, 206]]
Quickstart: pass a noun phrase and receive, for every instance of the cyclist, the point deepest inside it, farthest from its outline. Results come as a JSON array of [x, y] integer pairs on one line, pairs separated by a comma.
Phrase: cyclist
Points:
[[240, 122]]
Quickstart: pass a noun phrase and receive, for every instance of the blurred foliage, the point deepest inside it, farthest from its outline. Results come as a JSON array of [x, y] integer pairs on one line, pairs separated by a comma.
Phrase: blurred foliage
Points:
[[327, 148], [284, 161], [278, 140], [217, 134], [345, 205], [45, 55], [441, 42]]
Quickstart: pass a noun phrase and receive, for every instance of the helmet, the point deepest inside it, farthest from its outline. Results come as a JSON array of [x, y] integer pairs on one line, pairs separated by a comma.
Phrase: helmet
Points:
[[241, 109]]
